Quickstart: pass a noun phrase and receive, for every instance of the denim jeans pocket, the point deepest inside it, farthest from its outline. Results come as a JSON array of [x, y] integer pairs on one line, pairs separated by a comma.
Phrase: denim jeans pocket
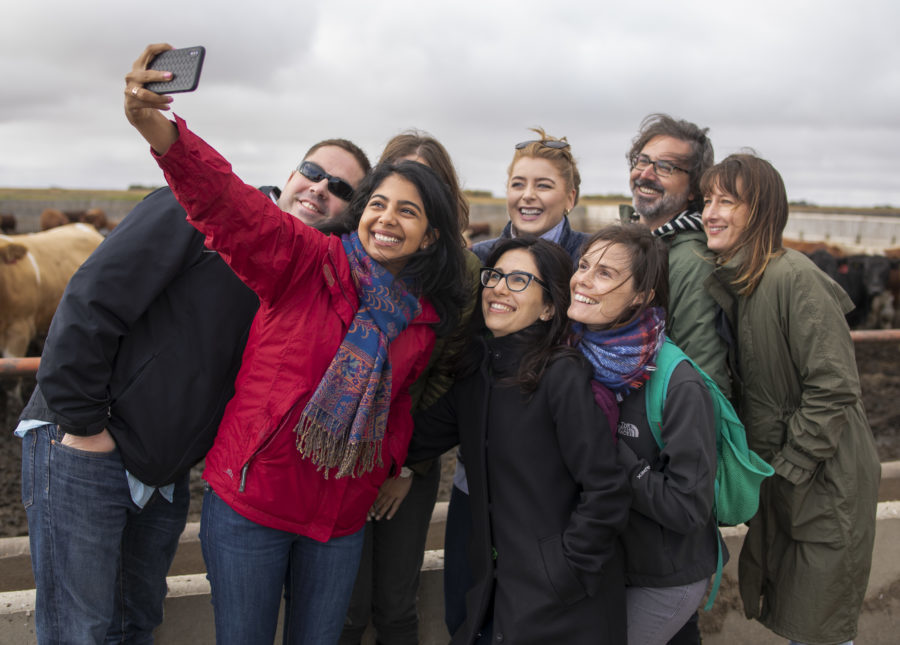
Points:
[[77, 452]]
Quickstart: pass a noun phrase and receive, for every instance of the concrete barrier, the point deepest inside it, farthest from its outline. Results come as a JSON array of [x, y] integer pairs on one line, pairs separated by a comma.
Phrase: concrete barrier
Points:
[[189, 619]]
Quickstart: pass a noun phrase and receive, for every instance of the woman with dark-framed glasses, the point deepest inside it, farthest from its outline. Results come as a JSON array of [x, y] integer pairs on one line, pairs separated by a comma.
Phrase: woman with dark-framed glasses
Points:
[[542, 188], [547, 496]]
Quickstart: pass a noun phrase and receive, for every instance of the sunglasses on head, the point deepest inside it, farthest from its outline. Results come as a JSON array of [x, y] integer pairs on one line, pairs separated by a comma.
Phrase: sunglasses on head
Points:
[[336, 186], [547, 143]]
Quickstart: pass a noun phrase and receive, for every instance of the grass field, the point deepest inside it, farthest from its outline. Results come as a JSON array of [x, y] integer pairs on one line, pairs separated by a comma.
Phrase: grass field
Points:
[[63, 194], [137, 194]]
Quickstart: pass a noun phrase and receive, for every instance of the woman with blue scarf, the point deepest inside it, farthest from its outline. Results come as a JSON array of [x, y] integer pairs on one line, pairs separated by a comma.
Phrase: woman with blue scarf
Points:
[[619, 296], [321, 411]]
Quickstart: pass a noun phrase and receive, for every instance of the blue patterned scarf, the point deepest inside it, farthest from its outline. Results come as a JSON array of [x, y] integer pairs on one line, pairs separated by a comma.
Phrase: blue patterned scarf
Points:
[[624, 357], [343, 424]]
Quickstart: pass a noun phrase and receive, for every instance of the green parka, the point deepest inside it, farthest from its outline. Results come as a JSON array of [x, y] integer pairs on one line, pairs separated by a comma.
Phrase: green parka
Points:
[[805, 562]]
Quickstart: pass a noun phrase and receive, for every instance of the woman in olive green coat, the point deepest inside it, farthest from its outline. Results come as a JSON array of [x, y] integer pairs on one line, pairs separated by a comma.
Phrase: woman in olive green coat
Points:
[[805, 562]]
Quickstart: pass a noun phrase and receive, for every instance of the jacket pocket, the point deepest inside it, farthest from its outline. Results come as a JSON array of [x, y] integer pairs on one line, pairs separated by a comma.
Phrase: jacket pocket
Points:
[[562, 579], [807, 511]]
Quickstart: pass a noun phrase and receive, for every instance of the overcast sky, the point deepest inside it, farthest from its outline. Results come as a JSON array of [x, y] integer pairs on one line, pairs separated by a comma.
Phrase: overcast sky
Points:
[[813, 86]]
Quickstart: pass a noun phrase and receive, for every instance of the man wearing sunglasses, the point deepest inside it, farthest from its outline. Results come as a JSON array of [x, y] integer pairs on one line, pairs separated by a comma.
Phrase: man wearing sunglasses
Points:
[[135, 374], [666, 161], [323, 183]]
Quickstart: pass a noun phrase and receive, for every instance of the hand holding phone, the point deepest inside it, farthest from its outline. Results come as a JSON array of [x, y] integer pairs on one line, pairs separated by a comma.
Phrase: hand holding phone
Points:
[[185, 65]]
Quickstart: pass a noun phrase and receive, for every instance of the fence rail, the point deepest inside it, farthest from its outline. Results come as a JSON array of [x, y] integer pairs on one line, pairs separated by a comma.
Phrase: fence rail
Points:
[[18, 367]]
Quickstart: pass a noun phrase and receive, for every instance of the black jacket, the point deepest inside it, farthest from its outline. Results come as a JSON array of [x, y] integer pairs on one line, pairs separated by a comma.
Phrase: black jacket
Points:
[[671, 535], [548, 500], [146, 342]]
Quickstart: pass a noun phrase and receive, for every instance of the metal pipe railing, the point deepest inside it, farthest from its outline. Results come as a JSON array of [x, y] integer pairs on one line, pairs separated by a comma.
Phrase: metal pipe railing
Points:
[[18, 367]]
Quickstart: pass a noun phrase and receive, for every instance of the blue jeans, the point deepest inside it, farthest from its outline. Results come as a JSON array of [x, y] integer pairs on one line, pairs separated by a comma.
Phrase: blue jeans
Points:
[[100, 562], [248, 566]]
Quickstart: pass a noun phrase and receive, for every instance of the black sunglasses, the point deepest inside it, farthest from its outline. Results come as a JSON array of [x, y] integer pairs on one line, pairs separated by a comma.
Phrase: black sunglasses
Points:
[[336, 186], [547, 143]]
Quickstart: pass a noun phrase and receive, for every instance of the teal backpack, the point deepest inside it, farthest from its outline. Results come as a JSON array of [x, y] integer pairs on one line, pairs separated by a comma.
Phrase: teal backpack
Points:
[[739, 470]]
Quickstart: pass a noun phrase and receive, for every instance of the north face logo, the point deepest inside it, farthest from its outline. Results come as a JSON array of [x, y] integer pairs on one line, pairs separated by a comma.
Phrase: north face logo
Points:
[[627, 430]]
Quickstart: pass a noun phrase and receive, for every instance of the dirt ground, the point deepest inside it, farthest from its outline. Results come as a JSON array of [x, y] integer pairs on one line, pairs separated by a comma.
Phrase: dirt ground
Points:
[[879, 368]]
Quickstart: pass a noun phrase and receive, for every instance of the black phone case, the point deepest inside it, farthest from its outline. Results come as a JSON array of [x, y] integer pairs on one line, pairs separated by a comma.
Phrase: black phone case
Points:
[[185, 65]]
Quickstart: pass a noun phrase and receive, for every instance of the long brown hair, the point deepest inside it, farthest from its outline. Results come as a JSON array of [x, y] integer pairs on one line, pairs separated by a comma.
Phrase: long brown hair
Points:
[[436, 157], [755, 183]]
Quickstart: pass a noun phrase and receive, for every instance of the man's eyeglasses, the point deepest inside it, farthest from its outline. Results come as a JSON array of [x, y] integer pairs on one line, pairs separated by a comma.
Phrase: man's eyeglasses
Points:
[[547, 143], [660, 167], [515, 280], [336, 186]]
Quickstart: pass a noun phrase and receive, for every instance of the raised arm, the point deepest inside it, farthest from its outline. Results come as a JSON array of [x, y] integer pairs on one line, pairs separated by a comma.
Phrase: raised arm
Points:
[[268, 249], [144, 108]]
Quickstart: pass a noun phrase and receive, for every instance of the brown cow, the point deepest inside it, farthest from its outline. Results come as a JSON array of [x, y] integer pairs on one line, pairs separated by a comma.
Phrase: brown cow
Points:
[[96, 218], [7, 223], [34, 271], [807, 248], [51, 218]]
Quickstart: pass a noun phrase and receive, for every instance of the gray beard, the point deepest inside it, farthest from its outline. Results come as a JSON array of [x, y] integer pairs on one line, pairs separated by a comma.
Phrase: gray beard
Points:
[[660, 211]]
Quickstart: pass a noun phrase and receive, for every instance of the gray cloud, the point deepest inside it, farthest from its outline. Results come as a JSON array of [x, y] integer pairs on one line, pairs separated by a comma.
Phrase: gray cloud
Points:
[[813, 86]]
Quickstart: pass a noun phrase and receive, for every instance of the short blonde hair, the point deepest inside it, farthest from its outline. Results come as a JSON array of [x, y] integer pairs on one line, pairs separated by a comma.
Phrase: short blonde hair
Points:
[[561, 158]]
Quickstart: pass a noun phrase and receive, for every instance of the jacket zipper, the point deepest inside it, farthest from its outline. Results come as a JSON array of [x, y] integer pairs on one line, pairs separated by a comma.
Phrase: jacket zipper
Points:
[[289, 414], [332, 269]]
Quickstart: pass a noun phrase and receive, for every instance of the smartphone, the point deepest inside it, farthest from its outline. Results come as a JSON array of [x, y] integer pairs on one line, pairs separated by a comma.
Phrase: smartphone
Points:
[[185, 65]]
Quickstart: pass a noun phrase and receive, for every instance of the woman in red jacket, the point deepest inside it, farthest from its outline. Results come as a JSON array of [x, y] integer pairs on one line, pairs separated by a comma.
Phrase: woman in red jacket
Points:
[[320, 415]]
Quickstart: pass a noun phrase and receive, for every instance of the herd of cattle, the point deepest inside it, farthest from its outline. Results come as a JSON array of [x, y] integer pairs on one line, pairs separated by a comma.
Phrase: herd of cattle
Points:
[[36, 267], [871, 281]]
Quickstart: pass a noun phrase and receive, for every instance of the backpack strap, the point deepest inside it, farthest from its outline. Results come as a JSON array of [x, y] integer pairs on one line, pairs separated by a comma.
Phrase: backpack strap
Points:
[[667, 359]]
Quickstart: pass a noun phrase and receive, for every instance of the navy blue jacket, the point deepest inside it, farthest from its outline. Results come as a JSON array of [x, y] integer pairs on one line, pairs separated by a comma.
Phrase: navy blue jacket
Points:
[[570, 240], [146, 342]]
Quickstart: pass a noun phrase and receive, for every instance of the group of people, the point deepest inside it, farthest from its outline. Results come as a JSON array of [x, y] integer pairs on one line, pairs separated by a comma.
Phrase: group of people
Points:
[[322, 345]]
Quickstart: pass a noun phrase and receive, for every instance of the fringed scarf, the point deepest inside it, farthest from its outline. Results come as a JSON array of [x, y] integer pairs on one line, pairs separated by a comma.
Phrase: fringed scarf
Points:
[[623, 358], [343, 424]]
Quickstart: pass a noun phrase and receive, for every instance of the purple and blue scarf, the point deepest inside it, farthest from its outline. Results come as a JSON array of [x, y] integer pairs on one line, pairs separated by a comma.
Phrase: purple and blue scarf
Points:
[[624, 357], [343, 424]]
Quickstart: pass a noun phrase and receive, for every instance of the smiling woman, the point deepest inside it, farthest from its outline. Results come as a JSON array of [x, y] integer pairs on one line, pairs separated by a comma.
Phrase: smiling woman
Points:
[[805, 562], [321, 411], [547, 498], [513, 300], [393, 225], [619, 297], [542, 188]]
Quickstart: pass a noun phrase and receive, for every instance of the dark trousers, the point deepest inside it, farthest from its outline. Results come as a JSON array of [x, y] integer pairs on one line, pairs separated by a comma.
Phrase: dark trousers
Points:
[[387, 583], [458, 577]]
